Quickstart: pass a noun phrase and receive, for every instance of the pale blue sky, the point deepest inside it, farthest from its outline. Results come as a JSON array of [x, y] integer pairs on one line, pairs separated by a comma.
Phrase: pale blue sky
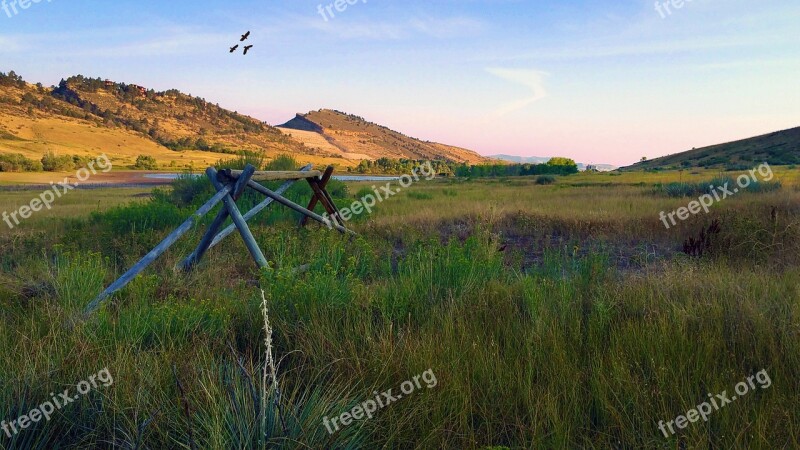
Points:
[[602, 82]]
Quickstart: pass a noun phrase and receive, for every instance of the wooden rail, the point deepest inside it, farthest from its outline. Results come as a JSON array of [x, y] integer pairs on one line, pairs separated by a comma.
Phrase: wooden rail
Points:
[[272, 176], [230, 184]]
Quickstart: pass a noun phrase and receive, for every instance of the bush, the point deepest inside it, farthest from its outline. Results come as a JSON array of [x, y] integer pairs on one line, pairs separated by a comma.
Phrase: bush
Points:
[[188, 187], [145, 163], [764, 186], [420, 195], [54, 163], [283, 162], [139, 217], [18, 163], [242, 159], [363, 192], [708, 187], [545, 179], [676, 189]]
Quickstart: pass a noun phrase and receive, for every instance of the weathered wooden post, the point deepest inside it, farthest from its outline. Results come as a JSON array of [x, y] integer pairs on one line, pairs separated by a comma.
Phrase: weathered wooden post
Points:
[[257, 209], [205, 242], [238, 220], [288, 203], [314, 199]]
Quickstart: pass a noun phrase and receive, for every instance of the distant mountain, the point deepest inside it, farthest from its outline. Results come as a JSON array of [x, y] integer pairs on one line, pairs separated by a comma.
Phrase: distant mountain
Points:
[[353, 137], [779, 148], [541, 160]]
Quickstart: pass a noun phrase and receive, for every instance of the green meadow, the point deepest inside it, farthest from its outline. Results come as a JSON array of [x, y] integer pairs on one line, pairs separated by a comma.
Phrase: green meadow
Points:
[[559, 315]]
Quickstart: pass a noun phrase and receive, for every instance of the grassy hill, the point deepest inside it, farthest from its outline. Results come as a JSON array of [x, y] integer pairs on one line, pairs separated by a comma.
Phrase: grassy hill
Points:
[[353, 137], [779, 148], [84, 116], [88, 116]]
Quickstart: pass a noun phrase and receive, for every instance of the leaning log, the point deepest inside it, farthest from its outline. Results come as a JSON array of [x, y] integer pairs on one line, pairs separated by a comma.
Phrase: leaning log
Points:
[[256, 209], [158, 250]]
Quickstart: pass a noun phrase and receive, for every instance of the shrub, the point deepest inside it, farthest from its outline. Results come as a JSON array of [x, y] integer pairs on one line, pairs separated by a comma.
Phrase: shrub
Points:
[[242, 159], [54, 163], [736, 167], [337, 189], [139, 217], [187, 187], [18, 163], [676, 189], [545, 179], [708, 187], [420, 195], [363, 192], [764, 186], [145, 163], [283, 162]]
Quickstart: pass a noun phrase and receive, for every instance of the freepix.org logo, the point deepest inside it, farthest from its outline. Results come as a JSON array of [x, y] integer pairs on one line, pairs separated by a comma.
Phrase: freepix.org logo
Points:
[[10, 6]]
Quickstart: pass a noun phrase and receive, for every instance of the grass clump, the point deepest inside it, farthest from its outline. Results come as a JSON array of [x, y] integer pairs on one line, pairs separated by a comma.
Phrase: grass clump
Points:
[[545, 179]]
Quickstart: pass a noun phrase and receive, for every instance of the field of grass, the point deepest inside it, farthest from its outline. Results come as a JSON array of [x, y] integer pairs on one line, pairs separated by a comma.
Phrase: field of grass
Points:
[[553, 316]]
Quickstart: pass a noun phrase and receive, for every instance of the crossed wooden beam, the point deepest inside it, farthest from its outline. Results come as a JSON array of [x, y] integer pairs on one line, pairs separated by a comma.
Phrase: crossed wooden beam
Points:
[[230, 185]]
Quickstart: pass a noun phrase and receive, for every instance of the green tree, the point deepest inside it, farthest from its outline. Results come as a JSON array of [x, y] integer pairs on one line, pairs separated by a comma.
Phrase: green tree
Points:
[[559, 161]]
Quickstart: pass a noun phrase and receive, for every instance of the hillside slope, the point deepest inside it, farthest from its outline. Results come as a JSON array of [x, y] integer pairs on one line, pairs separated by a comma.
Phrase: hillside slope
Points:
[[779, 148], [353, 137], [85, 116]]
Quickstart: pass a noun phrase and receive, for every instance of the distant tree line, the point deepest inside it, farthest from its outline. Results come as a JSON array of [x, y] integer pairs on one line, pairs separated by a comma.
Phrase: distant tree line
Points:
[[556, 166], [11, 79], [50, 162], [399, 166]]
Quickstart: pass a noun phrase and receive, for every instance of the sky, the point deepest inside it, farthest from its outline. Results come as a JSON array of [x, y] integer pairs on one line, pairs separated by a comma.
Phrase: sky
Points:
[[599, 82]]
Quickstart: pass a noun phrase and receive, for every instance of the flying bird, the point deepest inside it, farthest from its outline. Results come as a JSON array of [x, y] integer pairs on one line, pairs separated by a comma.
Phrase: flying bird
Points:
[[246, 48], [244, 36], [233, 49]]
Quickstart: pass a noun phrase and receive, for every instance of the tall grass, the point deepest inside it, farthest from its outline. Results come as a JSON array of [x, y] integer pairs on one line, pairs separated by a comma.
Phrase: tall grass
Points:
[[539, 345], [697, 189]]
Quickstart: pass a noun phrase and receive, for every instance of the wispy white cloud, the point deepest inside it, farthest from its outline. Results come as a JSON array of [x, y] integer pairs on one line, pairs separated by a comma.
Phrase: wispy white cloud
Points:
[[129, 42], [449, 27], [10, 44], [532, 79], [353, 28]]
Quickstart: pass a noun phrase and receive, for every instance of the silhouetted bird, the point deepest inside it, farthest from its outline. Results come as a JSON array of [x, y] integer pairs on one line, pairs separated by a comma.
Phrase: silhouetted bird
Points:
[[244, 36], [233, 49], [246, 48]]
